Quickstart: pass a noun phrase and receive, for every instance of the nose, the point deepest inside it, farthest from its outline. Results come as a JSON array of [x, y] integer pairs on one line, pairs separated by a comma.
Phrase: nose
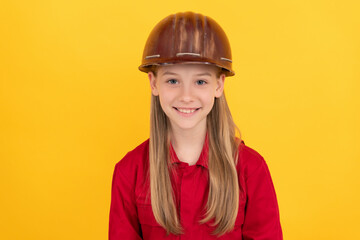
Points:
[[186, 93]]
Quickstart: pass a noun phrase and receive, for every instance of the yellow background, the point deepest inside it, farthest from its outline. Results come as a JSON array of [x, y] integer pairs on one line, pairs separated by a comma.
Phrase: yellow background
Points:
[[72, 103]]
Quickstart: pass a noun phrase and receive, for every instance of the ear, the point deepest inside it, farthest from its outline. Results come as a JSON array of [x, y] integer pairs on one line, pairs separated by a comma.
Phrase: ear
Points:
[[153, 86], [220, 86]]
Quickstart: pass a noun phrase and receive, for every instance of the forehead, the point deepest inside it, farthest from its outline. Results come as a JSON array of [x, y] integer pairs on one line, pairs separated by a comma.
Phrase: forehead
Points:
[[188, 69]]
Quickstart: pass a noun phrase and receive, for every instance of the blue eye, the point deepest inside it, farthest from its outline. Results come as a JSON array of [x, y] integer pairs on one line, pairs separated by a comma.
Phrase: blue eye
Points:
[[200, 82], [172, 81]]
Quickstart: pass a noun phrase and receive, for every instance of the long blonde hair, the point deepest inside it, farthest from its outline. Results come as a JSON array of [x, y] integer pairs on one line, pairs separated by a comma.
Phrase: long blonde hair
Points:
[[223, 198]]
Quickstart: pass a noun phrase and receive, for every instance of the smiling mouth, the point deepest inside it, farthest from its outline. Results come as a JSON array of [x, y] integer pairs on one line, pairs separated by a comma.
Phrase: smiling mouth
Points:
[[186, 110]]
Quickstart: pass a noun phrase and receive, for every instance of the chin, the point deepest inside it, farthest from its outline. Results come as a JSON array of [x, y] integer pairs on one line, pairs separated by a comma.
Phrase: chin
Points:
[[186, 126]]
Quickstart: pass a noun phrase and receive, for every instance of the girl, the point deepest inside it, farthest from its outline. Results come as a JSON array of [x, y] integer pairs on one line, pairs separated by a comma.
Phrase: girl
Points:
[[193, 178]]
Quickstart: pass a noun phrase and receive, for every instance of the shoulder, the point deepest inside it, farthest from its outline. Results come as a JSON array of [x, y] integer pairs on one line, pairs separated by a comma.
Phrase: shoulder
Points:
[[249, 160], [135, 155], [134, 161]]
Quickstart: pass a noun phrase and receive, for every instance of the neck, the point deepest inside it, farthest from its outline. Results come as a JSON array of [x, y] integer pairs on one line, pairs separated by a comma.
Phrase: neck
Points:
[[190, 139]]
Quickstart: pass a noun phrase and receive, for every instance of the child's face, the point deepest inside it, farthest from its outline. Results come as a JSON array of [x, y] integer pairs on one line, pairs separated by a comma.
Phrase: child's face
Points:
[[187, 93]]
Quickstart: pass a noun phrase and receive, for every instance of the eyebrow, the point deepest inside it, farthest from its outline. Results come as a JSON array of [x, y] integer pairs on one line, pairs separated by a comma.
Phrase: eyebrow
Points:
[[204, 74], [169, 73], [199, 74]]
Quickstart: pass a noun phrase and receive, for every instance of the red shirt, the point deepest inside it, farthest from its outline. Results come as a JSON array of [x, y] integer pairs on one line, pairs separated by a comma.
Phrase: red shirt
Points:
[[131, 215]]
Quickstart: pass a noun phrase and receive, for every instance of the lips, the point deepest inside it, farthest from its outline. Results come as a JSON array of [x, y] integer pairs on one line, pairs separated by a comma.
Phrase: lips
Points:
[[186, 110]]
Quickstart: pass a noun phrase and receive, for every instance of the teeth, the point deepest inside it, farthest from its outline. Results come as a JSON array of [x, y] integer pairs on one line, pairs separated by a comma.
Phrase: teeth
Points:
[[186, 110]]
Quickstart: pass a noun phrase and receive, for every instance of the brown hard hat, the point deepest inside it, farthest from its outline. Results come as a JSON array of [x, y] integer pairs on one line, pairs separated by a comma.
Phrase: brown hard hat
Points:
[[187, 38]]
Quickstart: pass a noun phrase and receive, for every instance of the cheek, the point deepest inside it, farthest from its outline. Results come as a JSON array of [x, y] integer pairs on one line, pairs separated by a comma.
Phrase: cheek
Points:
[[166, 97], [211, 103], [208, 99], [168, 92]]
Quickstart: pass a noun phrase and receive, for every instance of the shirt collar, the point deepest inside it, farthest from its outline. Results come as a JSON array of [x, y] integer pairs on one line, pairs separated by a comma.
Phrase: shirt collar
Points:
[[203, 158]]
